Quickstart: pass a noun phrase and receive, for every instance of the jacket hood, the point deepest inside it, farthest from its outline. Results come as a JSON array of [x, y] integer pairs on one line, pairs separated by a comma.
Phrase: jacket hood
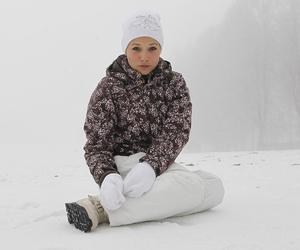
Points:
[[121, 70]]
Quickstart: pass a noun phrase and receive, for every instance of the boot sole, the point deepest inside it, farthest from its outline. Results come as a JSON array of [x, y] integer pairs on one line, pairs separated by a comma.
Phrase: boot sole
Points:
[[78, 216]]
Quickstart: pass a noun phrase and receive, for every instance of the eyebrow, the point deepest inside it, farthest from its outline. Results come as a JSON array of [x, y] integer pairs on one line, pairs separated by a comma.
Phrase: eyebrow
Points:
[[140, 44]]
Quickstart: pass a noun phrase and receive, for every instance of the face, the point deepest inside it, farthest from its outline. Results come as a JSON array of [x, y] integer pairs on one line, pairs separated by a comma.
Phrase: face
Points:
[[143, 54]]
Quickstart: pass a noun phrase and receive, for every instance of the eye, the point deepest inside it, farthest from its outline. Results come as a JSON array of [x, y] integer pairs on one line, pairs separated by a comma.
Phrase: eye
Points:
[[136, 49], [152, 48]]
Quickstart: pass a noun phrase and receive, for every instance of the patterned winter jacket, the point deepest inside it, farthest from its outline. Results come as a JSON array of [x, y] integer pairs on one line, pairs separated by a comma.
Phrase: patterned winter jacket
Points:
[[130, 113]]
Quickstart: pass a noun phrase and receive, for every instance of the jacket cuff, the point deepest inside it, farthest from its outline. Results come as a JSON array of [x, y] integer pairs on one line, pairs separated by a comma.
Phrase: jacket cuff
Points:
[[154, 164], [104, 175]]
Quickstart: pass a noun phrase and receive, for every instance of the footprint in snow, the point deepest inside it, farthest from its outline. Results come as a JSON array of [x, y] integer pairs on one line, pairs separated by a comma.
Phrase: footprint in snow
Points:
[[28, 205], [243, 247], [53, 214]]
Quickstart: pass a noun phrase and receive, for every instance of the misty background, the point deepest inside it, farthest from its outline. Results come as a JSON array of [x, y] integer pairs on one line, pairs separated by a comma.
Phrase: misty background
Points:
[[240, 59]]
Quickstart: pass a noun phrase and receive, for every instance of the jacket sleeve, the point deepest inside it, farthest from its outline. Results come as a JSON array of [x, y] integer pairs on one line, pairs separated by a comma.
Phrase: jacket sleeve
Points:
[[99, 129], [176, 128]]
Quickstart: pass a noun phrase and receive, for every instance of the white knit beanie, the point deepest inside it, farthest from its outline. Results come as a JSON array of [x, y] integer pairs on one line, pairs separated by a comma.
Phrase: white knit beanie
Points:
[[142, 23]]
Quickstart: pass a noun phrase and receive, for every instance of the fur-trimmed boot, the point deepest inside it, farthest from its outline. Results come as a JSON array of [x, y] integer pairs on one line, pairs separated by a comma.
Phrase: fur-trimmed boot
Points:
[[86, 214]]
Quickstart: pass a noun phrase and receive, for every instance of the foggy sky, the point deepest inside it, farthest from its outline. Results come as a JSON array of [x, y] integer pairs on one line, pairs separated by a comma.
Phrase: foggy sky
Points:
[[54, 53]]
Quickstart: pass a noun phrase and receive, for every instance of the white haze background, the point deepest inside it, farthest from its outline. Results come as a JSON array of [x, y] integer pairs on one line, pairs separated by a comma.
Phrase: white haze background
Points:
[[240, 60]]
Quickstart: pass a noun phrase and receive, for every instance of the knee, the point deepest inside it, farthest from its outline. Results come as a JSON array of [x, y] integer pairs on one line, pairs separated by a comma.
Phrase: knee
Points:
[[219, 191], [214, 190]]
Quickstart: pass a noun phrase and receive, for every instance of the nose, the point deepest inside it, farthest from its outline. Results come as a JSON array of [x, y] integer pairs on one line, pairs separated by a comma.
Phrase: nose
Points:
[[144, 56]]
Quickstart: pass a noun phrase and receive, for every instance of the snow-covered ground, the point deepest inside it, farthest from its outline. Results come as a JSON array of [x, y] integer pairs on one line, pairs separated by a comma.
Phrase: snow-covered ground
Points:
[[260, 209]]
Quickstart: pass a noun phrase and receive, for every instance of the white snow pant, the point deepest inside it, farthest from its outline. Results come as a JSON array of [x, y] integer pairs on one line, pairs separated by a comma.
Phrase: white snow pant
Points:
[[176, 192]]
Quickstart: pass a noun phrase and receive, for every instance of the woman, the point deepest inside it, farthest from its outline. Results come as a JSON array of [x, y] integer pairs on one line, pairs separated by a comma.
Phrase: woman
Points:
[[138, 121]]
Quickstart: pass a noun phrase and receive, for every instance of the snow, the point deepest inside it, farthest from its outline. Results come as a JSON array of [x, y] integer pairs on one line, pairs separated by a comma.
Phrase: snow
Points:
[[260, 209]]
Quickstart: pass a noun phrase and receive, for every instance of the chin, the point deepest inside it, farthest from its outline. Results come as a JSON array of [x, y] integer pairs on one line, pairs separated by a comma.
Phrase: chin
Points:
[[146, 72]]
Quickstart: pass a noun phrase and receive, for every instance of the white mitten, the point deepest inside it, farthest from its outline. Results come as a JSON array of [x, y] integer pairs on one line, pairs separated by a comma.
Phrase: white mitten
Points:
[[139, 180], [111, 192]]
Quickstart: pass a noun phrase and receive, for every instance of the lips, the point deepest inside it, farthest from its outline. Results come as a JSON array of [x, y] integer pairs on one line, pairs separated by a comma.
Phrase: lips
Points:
[[144, 66]]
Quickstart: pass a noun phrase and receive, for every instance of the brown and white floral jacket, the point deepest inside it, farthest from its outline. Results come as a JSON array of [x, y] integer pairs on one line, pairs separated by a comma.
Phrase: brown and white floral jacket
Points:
[[130, 113]]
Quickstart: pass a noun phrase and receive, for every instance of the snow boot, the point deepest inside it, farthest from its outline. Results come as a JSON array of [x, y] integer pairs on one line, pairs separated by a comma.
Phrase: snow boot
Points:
[[86, 214]]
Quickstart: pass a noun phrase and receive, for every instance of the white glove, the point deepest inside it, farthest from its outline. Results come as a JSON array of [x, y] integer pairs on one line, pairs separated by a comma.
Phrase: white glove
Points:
[[111, 192], [139, 180]]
